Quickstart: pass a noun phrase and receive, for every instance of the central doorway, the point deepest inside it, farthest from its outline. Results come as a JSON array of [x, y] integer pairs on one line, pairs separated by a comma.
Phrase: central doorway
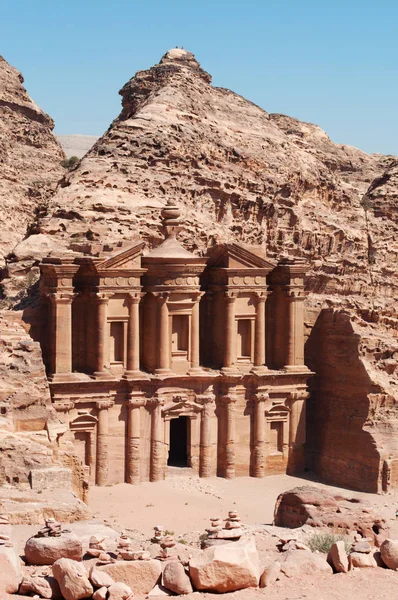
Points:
[[178, 449]]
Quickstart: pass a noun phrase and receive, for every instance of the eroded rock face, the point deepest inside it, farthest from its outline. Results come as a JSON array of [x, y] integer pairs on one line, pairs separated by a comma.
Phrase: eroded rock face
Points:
[[30, 159], [308, 505]]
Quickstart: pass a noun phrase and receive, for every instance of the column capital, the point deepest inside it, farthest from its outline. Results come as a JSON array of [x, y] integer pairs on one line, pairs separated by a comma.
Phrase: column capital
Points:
[[135, 297], [261, 296], [162, 296], [136, 402], [196, 296], [230, 296], [261, 396], [294, 293], [64, 405], [229, 398], [62, 297], [299, 395], [104, 404], [205, 399], [103, 298]]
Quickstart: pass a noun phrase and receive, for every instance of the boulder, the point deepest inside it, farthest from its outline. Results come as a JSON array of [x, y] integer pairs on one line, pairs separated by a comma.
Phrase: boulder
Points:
[[119, 591], [174, 578], [389, 553], [226, 568], [362, 546], [10, 570], [295, 563], [47, 550], [100, 579], [140, 575], [319, 508], [270, 574], [337, 557], [72, 579], [45, 587], [159, 591], [100, 594], [361, 560]]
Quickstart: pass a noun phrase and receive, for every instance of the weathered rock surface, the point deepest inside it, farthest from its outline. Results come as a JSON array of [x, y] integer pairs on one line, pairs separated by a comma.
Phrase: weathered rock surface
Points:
[[140, 575], [100, 579], [47, 550], [119, 591], [30, 159], [389, 553], [45, 587], [337, 557], [295, 563], [226, 568], [72, 579], [309, 505], [362, 560], [10, 570], [174, 578], [270, 574]]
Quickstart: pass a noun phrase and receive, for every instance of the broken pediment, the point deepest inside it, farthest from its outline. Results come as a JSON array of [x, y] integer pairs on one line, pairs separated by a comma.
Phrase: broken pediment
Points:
[[238, 256], [126, 259]]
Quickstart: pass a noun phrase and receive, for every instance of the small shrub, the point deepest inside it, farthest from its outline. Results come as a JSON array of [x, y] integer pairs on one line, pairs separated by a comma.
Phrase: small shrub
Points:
[[167, 532], [182, 541], [322, 542], [70, 163]]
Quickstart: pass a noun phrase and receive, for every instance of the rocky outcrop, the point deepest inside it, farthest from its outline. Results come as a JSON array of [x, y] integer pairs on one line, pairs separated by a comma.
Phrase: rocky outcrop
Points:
[[308, 505], [30, 160]]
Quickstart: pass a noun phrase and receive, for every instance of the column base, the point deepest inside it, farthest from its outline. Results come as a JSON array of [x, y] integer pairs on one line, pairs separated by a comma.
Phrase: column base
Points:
[[230, 371], [162, 371], [61, 377], [103, 375], [296, 368], [137, 374], [259, 370], [196, 371]]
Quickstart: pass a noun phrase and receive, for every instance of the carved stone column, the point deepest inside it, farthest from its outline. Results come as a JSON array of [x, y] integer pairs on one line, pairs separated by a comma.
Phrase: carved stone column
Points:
[[164, 355], [230, 400], [195, 357], [133, 463], [259, 434], [297, 430], [230, 334], [133, 336], [157, 458], [206, 446], [102, 324], [295, 330], [101, 476], [259, 333], [62, 323]]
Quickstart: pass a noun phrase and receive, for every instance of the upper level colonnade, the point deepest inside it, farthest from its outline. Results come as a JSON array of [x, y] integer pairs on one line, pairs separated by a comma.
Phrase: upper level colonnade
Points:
[[169, 312]]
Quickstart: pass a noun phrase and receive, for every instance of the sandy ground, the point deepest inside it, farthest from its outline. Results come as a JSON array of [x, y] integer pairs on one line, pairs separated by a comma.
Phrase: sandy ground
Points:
[[183, 503]]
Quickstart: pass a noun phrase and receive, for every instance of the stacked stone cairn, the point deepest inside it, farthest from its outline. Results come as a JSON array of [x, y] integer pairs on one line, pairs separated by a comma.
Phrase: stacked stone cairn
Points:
[[97, 549], [126, 551], [232, 530], [52, 528]]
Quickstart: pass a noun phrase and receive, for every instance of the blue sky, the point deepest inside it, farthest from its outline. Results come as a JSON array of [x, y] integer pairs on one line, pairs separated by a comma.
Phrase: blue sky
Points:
[[330, 62]]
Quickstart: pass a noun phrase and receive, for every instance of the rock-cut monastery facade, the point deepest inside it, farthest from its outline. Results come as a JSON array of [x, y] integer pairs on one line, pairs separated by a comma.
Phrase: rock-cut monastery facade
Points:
[[167, 358]]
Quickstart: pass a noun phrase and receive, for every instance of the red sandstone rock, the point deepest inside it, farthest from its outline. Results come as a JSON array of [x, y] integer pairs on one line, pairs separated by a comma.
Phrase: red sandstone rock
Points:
[[10, 570], [296, 563], [318, 508], [226, 568], [72, 579], [140, 575], [100, 579], [119, 591], [337, 557], [389, 553], [174, 578], [45, 587], [270, 574], [361, 560], [47, 550], [100, 594]]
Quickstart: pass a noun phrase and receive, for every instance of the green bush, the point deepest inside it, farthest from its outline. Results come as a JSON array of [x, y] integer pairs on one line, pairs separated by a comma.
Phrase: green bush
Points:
[[70, 163], [322, 542]]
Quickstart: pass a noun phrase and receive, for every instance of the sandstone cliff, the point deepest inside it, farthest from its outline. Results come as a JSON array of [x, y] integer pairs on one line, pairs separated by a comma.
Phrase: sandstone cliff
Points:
[[30, 159], [240, 173]]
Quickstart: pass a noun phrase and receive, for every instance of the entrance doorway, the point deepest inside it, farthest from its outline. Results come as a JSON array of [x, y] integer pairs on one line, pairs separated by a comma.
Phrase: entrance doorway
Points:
[[178, 449]]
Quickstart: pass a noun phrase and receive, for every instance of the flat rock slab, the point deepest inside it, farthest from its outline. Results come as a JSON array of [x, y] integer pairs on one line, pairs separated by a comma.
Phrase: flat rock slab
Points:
[[140, 575], [47, 550], [295, 563]]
